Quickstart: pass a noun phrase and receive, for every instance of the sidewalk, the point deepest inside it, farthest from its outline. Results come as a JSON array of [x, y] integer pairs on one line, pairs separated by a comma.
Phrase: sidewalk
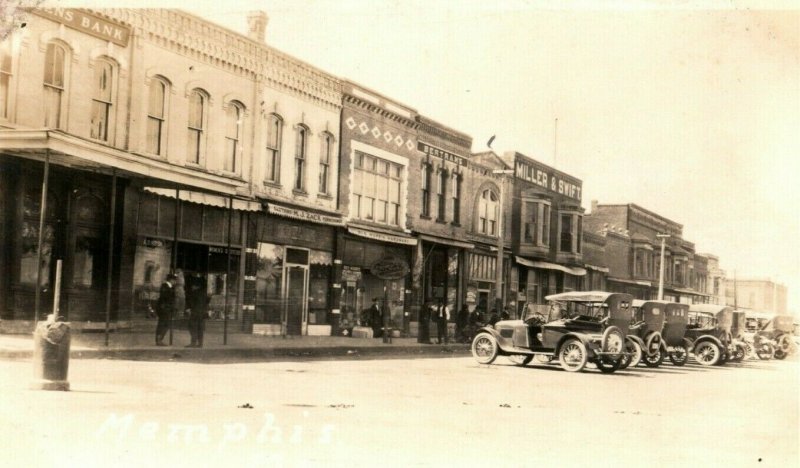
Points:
[[139, 346]]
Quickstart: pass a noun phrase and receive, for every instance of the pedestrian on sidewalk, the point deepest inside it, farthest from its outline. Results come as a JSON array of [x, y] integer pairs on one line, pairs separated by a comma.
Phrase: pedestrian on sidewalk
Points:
[[165, 307], [461, 322], [442, 316], [376, 318], [424, 320], [197, 301]]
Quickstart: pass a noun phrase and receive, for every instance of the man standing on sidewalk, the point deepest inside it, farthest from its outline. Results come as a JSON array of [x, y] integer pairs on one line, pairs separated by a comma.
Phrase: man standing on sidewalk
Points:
[[442, 316], [165, 308]]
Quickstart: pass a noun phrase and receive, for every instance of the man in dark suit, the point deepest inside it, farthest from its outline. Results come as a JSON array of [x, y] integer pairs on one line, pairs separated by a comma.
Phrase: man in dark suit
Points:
[[165, 307], [376, 318], [424, 333], [197, 300], [442, 316]]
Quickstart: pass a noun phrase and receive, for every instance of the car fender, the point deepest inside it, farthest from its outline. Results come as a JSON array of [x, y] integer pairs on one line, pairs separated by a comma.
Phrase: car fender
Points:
[[583, 339], [502, 343], [654, 336], [635, 338], [711, 338]]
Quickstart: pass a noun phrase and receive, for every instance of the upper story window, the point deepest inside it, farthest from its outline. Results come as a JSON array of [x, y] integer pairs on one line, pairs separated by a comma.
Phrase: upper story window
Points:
[[274, 139], [300, 154], [570, 227], [233, 134], [426, 190], [536, 222], [376, 189], [54, 84], [156, 117], [441, 194], [195, 127], [456, 192], [325, 156], [5, 77], [642, 259], [102, 100], [487, 213]]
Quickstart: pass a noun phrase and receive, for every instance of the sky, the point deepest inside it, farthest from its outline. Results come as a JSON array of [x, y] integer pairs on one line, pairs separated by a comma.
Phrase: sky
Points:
[[690, 109]]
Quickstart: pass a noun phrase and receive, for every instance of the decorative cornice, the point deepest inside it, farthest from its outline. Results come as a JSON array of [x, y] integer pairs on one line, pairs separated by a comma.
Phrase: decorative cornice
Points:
[[380, 111], [438, 130]]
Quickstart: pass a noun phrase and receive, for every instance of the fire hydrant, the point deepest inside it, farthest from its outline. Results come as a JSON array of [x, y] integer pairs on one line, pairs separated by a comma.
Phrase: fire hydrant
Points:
[[51, 341]]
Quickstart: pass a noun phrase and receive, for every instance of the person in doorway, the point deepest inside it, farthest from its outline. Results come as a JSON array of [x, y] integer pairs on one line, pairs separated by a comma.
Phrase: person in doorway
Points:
[[461, 323], [376, 318], [165, 307], [442, 316], [494, 317], [197, 301], [424, 333]]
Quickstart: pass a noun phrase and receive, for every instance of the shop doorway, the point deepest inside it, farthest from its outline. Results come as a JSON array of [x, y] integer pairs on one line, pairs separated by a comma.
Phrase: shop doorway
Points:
[[295, 290]]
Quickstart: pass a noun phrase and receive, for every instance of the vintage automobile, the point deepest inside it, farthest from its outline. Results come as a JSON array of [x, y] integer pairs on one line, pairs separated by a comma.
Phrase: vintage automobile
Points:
[[709, 333], [757, 338], [738, 345], [645, 332], [579, 328], [675, 343], [781, 328]]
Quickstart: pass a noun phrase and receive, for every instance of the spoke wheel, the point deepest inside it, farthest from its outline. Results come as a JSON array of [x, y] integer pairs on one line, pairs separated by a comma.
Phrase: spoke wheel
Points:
[[484, 348], [740, 353], [765, 352], [654, 358], [572, 355], [520, 359], [631, 347], [707, 353], [608, 365], [679, 356]]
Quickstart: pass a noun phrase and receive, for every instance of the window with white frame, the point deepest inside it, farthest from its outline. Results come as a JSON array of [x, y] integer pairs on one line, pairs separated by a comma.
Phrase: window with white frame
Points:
[[325, 156], [487, 213], [195, 127], [569, 230], [376, 189], [5, 77], [233, 134], [441, 194], [54, 84], [274, 139], [156, 117], [426, 190], [102, 100], [300, 155], [536, 222], [456, 193]]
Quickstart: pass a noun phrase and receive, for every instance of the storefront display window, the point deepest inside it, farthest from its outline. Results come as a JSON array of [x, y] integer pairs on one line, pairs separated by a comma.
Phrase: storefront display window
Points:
[[88, 262], [30, 241]]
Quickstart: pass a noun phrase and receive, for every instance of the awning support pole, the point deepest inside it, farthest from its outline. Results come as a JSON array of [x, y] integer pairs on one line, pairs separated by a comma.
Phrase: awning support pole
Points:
[[227, 275], [42, 213], [110, 269]]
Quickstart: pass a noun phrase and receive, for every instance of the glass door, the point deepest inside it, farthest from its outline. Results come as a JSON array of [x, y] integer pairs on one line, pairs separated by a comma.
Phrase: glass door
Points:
[[295, 274]]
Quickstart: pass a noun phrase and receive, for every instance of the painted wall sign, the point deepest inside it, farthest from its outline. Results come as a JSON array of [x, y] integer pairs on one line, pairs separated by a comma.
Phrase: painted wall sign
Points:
[[379, 236], [390, 268], [89, 23], [440, 153], [548, 178], [303, 215]]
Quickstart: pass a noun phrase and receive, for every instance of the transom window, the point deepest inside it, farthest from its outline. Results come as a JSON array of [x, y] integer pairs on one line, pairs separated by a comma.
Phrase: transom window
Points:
[[376, 189], [156, 117], [195, 132], [274, 138], [54, 84], [101, 103], [233, 134], [487, 213]]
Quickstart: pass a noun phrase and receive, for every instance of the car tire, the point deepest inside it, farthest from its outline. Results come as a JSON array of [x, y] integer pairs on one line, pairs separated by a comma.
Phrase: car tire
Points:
[[723, 358], [520, 359], [608, 365], [749, 350], [765, 352], [740, 353], [572, 355], [707, 353], [484, 348], [779, 354], [634, 348], [653, 359], [613, 336], [679, 356]]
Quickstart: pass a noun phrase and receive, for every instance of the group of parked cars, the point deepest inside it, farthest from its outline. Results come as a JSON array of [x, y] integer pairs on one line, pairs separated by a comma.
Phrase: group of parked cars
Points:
[[613, 331]]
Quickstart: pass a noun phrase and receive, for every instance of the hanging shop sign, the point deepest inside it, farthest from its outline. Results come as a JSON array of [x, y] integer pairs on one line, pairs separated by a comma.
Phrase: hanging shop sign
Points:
[[351, 274], [88, 23], [390, 268]]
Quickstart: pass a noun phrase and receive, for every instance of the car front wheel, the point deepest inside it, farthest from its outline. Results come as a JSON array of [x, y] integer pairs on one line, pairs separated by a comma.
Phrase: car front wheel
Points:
[[654, 358], [520, 359], [739, 354], [765, 352], [707, 353], [633, 356], [678, 356], [608, 365], [484, 348], [572, 355]]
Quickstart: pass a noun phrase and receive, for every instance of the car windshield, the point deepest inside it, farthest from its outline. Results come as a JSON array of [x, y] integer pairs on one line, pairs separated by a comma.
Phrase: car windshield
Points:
[[755, 324], [702, 320], [590, 311]]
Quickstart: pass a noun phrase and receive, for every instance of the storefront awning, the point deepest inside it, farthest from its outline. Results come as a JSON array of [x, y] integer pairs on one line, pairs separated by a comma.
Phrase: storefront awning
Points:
[[441, 240], [303, 215], [597, 268], [637, 283], [382, 236], [205, 199], [577, 271]]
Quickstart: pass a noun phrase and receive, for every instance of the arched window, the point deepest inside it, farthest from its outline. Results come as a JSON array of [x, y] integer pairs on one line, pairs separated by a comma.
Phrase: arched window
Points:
[[102, 99], [300, 150], [156, 117], [487, 213], [5, 76], [325, 162], [274, 139], [233, 135], [196, 134], [54, 84]]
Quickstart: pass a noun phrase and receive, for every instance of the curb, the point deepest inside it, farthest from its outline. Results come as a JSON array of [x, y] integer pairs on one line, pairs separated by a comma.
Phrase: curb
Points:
[[222, 355]]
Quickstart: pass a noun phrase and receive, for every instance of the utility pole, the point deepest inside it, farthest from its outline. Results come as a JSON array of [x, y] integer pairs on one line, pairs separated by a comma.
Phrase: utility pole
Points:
[[663, 238], [499, 286]]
